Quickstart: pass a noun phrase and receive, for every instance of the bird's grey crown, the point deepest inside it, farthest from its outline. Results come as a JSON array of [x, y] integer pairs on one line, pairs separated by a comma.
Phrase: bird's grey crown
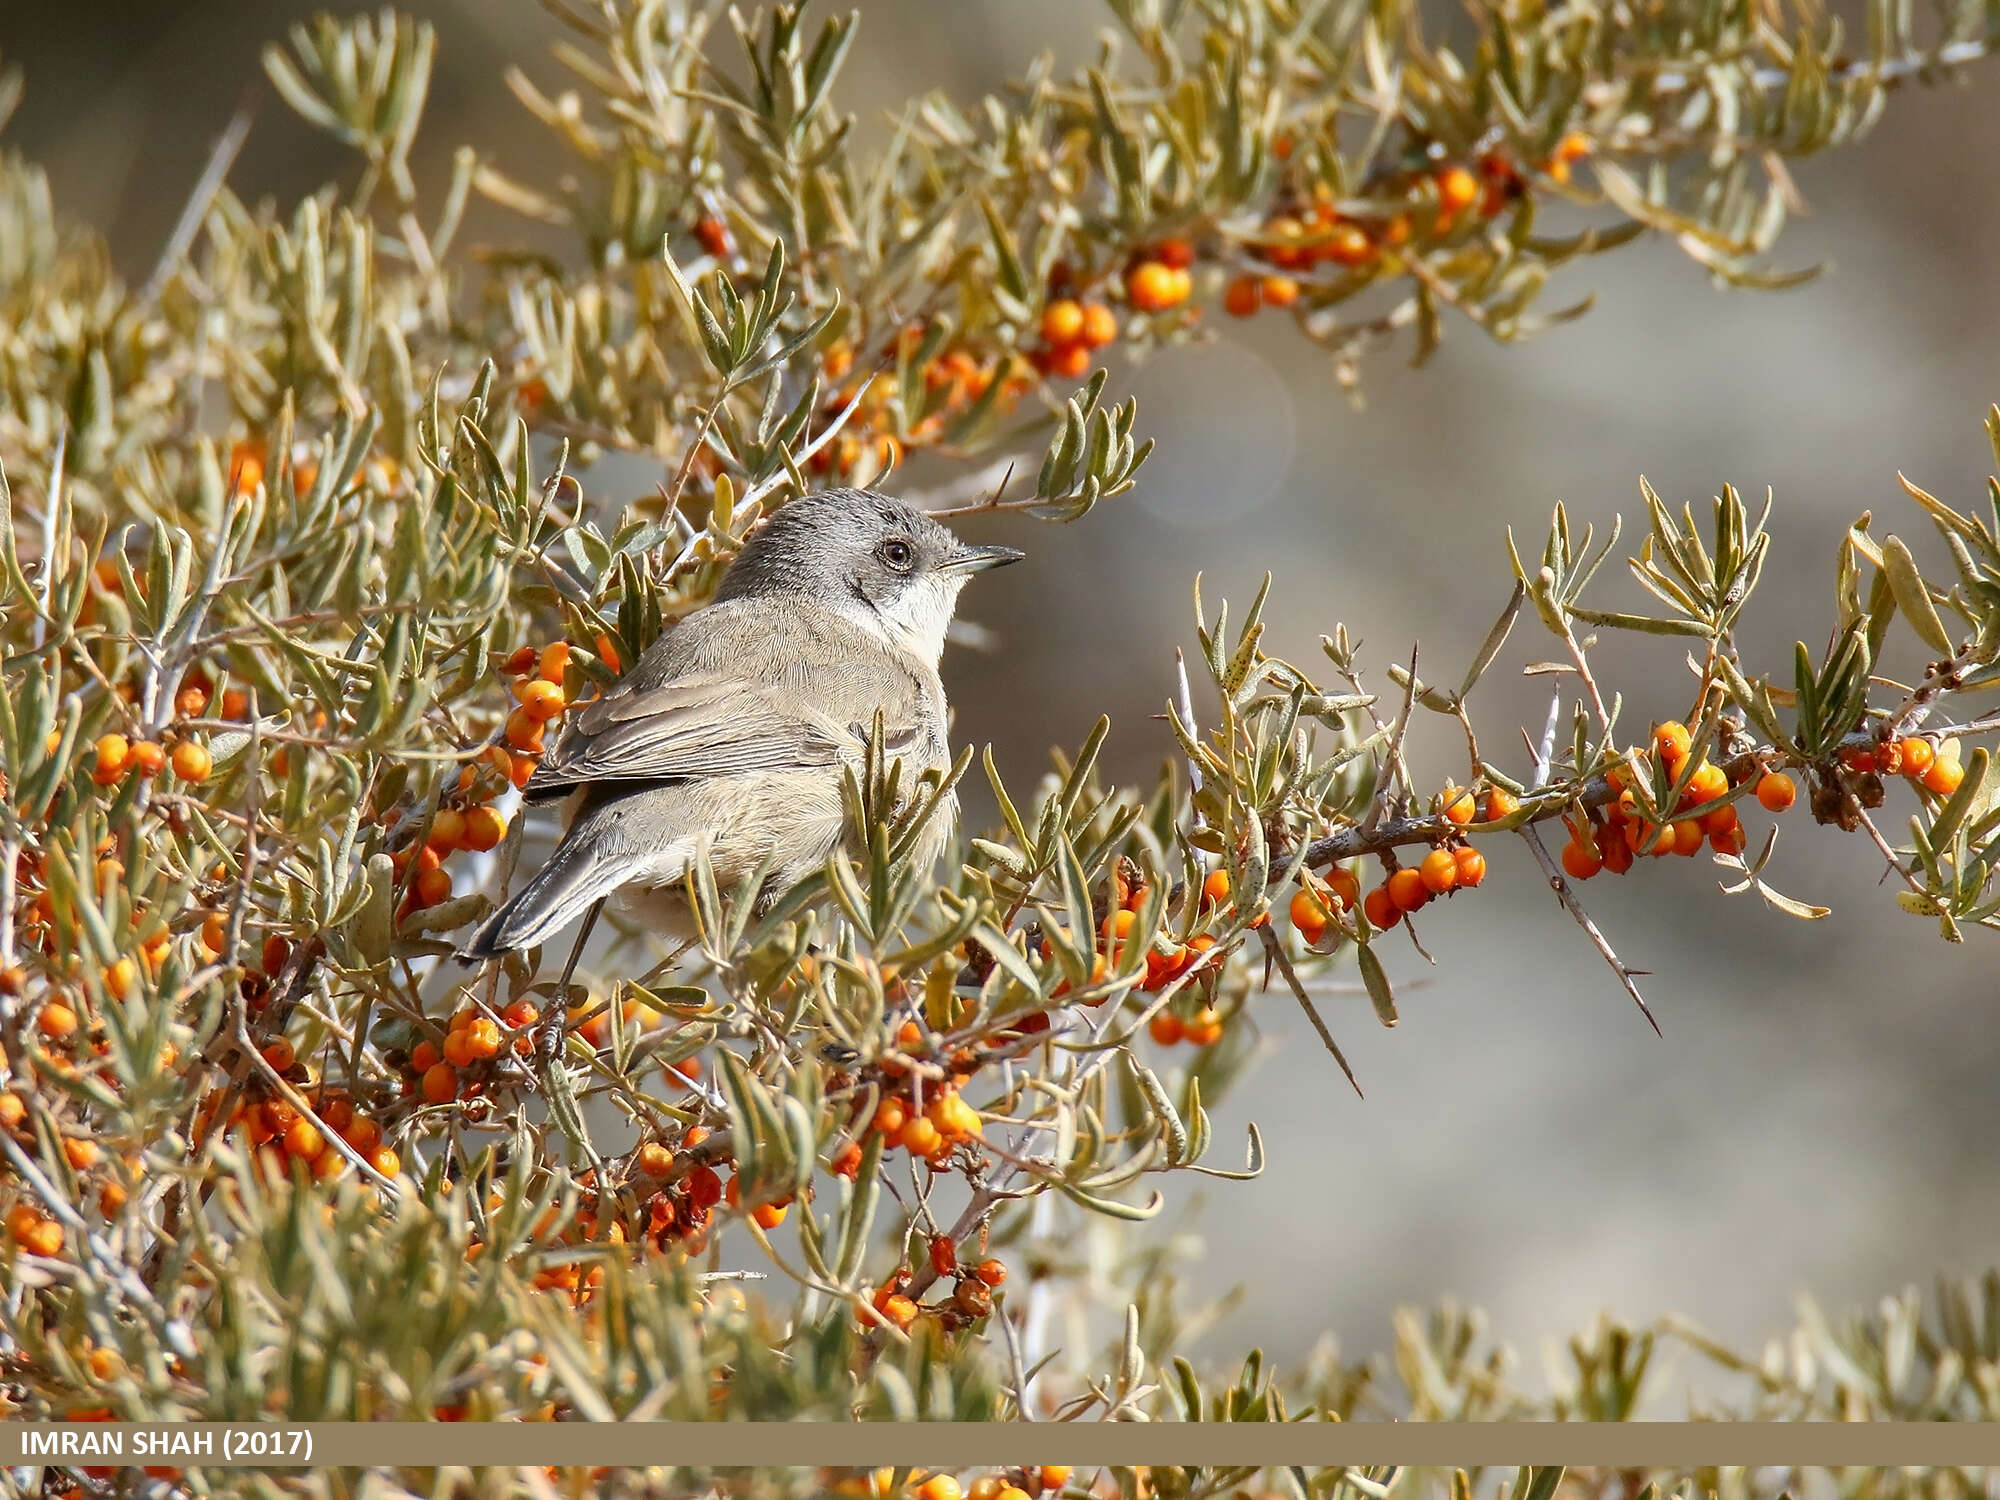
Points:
[[830, 544]]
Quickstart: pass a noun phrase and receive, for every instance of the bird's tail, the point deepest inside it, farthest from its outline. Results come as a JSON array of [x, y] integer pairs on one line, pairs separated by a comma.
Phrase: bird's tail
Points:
[[561, 891]]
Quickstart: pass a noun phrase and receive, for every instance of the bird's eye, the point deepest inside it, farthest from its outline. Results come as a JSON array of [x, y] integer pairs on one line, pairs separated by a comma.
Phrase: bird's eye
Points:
[[898, 554]]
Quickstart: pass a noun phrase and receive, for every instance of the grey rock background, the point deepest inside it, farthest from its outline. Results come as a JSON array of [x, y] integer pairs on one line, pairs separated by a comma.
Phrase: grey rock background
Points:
[[1822, 1109]]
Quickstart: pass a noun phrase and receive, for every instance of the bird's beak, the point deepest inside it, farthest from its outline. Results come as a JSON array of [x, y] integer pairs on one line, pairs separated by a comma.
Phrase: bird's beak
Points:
[[979, 559]]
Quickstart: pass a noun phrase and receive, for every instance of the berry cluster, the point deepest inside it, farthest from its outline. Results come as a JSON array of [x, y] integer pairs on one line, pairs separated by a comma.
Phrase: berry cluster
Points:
[[440, 1072], [969, 1300], [884, 426], [1452, 866], [925, 1117], [1008, 1484], [278, 1135]]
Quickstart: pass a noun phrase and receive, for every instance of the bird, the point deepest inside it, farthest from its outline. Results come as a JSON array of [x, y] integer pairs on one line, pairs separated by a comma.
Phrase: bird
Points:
[[733, 732]]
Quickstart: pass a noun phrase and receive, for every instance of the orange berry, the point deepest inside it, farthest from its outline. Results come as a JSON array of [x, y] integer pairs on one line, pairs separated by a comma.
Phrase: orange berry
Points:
[[276, 952], [553, 662], [484, 829], [1118, 927], [1165, 1028], [1918, 756], [1279, 291], [1944, 775], [1070, 361], [280, 1054], [56, 1021], [1723, 820], [1215, 888], [303, 1139], [1775, 791], [1344, 887], [457, 1047], [704, 1187], [1204, 1028], [385, 1161], [1580, 862], [246, 466], [1673, 742], [1347, 245], [82, 1154], [433, 886], [990, 1271], [1175, 253], [890, 1116], [847, 1161], [424, 1056], [13, 1110], [542, 699], [1457, 189], [1500, 803], [1100, 325], [712, 234], [114, 752], [1457, 805], [482, 1039], [191, 761], [1062, 322], [899, 1310], [1243, 296], [120, 977], [363, 1135], [768, 1215], [1054, 1476], [1614, 851], [447, 830], [45, 1240], [524, 730], [1162, 968], [1730, 840], [523, 768], [1708, 782], [919, 1136], [1687, 838], [1381, 910], [13, 979], [1471, 866], [1154, 287], [1408, 891], [1309, 914], [148, 759], [1439, 871], [235, 703], [1859, 758]]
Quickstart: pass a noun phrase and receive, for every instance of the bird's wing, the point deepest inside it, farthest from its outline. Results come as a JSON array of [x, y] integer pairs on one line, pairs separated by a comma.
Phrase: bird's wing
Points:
[[693, 727], [708, 723]]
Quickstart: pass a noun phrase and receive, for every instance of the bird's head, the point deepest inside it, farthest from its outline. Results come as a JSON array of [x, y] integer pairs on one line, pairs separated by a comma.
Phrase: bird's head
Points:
[[883, 564]]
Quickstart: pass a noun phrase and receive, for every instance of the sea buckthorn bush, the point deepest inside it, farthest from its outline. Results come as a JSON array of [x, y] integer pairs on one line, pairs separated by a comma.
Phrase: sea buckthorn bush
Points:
[[305, 564]]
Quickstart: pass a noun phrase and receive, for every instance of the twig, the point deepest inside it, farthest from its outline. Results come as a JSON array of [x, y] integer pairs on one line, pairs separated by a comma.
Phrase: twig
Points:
[[1558, 883], [1275, 950], [1019, 1367], [220, 159]]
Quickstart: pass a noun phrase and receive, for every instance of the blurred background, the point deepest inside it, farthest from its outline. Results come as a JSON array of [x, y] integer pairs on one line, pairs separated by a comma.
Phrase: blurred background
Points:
[[1822, 1110]]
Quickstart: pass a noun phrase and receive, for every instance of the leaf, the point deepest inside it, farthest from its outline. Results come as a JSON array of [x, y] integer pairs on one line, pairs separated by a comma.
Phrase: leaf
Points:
[[1376, 978], [1913, 597]]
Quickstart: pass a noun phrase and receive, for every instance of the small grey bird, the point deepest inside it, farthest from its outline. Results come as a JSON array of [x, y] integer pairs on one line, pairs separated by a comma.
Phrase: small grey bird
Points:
[[734, 729]]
